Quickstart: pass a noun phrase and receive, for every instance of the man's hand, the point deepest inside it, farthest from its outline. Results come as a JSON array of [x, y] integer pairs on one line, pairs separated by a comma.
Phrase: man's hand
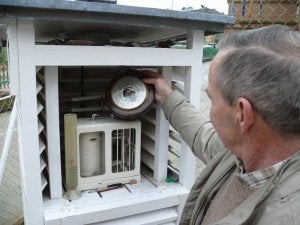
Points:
[[162, 88]]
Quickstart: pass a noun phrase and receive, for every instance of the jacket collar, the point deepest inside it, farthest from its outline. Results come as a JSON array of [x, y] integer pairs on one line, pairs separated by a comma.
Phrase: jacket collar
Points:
[[270, 189]]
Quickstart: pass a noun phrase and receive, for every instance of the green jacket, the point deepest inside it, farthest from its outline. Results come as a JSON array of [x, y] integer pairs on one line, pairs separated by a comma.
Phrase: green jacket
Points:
[[276, 202]]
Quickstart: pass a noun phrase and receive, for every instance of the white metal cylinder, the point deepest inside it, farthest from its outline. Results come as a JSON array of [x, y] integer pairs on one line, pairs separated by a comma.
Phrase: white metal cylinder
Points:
[[89, 148]]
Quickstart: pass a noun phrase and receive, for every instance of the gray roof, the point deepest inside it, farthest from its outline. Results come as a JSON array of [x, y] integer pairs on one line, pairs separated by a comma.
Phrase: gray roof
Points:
[[113, 13], [55, 18]]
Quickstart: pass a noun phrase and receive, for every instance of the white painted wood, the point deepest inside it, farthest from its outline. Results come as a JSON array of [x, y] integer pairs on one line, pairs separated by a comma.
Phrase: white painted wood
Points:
[[162, 216], [40, 126], [53, 134], [161, 138], [53, 55], [187, 158], [42, 146], [149, 132], [43, 163], [148, 159], [39, 87], [148, 145], [44, 181], [192, 92], [87, 209], [40, 107], [195, 41], [29, 143], [178, 73], [180, 208], [90, 208], [13, 56]]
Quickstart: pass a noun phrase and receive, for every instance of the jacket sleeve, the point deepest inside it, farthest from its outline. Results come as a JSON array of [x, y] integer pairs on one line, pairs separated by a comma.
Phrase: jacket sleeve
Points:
[[198, 133]]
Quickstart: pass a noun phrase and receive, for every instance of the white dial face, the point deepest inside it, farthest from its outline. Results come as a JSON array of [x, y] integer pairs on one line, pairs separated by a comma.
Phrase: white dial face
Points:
[[129, 92]]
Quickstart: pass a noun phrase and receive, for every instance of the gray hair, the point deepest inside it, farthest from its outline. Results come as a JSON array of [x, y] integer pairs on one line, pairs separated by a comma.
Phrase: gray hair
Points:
[[270, 81], [278, 38]]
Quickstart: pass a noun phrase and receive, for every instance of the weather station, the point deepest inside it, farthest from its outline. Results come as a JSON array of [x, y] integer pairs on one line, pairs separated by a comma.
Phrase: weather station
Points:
[[95, 146]]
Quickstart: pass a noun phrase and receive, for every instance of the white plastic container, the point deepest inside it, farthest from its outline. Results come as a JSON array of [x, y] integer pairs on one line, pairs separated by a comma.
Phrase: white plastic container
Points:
[[89, 147]]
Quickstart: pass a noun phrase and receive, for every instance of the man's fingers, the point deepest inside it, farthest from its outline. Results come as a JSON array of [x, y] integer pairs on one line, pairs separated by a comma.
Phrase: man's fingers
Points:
[[149, 80], [151, 77], [151, 74]]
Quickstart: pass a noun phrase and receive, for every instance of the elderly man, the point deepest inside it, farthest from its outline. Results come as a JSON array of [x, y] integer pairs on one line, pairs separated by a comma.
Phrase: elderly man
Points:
[[251, 143]]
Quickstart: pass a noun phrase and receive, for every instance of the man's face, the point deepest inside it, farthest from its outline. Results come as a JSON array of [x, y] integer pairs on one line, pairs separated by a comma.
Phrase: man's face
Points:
[[221, 114]]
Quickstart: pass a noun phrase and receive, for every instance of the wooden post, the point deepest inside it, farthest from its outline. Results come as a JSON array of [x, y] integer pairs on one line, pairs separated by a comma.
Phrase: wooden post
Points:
[[29, 144], [161, 139], [192, 92], [53, 137]]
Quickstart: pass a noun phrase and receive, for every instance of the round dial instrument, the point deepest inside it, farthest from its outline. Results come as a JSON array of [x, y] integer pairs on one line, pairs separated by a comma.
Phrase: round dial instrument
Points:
[[128, 96], [129, 92]]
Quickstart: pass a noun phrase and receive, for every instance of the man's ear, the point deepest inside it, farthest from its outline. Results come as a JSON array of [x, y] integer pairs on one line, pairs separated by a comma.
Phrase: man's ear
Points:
[[245, 114]]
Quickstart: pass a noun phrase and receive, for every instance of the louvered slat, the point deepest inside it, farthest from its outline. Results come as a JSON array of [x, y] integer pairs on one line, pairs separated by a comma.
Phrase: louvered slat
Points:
[[41, 125]]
